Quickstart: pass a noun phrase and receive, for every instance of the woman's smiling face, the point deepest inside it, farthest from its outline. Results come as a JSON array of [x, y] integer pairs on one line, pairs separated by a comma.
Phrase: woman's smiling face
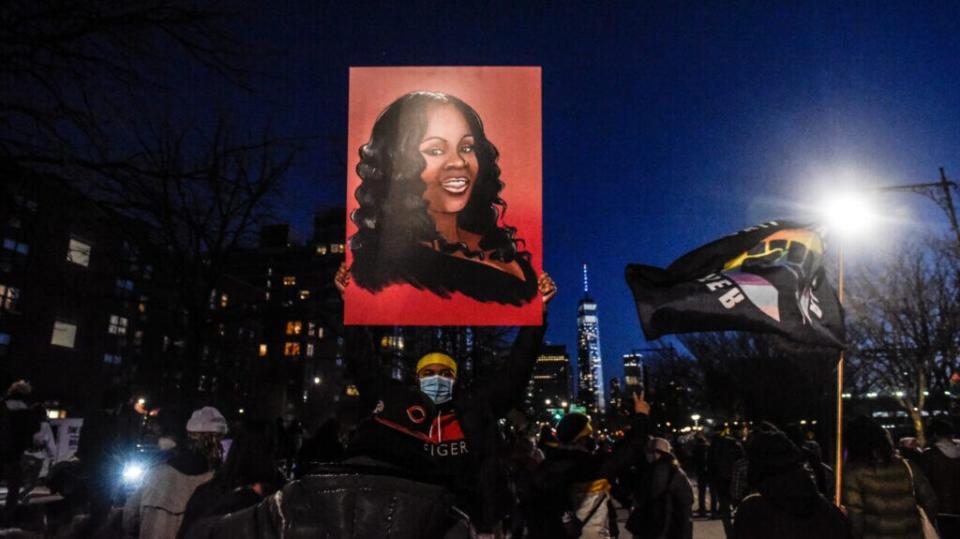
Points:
[[451, 163]]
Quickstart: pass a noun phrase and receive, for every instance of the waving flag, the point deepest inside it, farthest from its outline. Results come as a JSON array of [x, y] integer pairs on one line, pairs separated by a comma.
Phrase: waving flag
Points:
[[767, 279]]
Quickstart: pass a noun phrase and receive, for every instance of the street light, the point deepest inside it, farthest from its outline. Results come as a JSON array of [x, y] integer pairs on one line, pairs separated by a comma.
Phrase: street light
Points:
[[696, 419], [847, 214]]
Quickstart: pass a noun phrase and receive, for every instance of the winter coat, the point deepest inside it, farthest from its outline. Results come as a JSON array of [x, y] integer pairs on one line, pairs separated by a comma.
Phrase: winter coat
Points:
[[574, 479], [723, 454], [788, 506], [213, 499], [664, 504], [156, 509], [18, 423], [468, 449], [880, 500], [941, 464], [359, 498]]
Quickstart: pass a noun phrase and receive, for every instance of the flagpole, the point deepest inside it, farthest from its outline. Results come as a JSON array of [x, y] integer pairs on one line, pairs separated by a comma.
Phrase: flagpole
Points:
[[838, 466]]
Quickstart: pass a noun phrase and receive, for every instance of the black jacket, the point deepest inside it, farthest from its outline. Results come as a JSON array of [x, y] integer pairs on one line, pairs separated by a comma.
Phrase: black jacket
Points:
[[664, 504], [360, 498], [479, 476], [789, 506], [567, 469]]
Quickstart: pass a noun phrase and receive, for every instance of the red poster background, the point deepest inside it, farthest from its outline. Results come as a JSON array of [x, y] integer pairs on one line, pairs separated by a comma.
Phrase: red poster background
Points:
[[508, 100]]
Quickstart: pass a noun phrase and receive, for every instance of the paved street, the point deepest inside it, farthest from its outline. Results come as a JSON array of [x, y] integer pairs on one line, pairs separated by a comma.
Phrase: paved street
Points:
[[702, 528]]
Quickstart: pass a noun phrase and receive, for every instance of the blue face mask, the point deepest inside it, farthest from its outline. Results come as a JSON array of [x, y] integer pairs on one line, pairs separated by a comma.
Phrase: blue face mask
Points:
[[438, 388]]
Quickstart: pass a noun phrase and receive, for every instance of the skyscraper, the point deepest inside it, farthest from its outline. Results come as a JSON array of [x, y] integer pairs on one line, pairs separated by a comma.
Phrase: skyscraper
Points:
[[551, 377], [589, 360], [633, 381]]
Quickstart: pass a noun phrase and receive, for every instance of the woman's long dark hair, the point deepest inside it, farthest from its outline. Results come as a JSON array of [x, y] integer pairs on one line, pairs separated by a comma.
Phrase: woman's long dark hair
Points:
[[868, 442], [392, 215]]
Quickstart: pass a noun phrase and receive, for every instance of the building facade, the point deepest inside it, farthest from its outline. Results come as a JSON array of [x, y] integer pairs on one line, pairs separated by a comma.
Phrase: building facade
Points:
[[550, 385]]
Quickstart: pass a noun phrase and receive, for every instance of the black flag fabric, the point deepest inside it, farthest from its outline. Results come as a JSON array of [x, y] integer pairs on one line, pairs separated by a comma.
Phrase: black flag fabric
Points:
[[768, 279]]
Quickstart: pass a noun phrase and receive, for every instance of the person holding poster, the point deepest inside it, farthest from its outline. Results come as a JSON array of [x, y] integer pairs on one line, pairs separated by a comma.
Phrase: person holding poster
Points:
[[430, 211], [463, 438]]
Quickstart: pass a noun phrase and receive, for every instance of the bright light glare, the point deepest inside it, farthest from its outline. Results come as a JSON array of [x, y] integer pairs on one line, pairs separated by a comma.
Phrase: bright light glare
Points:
[[848, 214], [132, 472]]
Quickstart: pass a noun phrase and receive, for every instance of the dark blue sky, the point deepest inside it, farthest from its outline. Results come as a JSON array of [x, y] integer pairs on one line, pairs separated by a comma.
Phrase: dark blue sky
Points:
[[665, 125]]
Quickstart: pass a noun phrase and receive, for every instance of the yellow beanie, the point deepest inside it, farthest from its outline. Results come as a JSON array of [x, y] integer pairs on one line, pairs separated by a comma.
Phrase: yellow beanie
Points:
[[437, 358]]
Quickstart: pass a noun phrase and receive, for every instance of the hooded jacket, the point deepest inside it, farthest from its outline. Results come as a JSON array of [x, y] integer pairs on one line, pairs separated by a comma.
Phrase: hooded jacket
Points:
[[788, 506], [941, 463]]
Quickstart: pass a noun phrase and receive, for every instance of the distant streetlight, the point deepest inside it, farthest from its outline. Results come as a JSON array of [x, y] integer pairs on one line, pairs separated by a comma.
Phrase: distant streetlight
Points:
[[316, 380], [696, 420], [564, 404], [547, 402]]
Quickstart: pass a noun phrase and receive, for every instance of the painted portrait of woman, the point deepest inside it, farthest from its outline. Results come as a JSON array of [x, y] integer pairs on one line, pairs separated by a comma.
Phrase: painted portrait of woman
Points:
[[429, 229], [430, 212]]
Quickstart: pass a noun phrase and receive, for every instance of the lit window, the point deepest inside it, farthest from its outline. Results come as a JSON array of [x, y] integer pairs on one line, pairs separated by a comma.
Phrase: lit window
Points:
[[320, 333], [79, 253], [112, 359], [224, 300], [392, 342], [289, 280], [304, 294], [8, 297], [64, 334], [13, 245], [263, 350], [291, 349], [138, 337], [321, 249], [266, 296], [294, 327], [4, 343], [336, 248], [309, 349], [124, 286], [352, 391], [118, 325]]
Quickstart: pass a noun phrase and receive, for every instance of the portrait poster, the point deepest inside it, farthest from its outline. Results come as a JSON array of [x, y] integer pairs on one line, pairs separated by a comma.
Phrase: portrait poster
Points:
[[444, 221]]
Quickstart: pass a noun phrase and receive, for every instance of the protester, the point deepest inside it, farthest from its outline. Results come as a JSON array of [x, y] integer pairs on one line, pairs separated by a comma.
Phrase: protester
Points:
[[249, 474], [464, 438], [941, 464], [156, 509], [386, 488], [323, 447], [701, 469], [20, 421], [909, 448], [665, 501], [821, 473], [881, 491], [724, 453], [108, 436], [785, 502], [573, 482]]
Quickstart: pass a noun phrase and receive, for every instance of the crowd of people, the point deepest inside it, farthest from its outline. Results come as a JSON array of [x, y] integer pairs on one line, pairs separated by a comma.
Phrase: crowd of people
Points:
[[432, 460]]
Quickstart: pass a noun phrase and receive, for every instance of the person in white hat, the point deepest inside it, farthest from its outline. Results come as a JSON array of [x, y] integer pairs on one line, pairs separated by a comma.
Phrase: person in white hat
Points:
[[664, 501], [156, 509]]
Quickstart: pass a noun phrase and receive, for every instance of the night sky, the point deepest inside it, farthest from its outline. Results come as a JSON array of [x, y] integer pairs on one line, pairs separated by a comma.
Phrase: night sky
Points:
[[665, 125]]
